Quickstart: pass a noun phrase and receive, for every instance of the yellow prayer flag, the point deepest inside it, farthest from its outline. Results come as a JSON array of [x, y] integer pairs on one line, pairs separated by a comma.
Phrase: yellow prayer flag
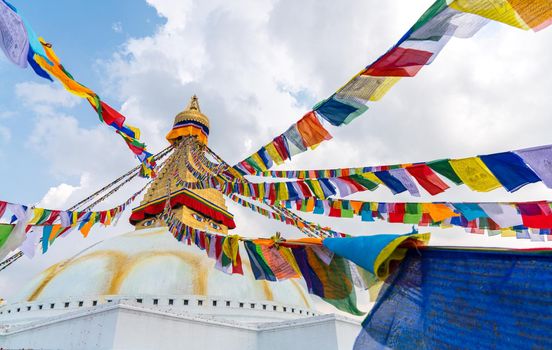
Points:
[[230, 247], [246, 191], [384, 87], [367, 88], [372, 177], [260, 190], [107, 218], [475, 174], [288, 256], [75, 217], [273, 153], [135, 130], [315, 187], [497, 10], [37, 214], [259, 161], [282, 193], [508, 233]]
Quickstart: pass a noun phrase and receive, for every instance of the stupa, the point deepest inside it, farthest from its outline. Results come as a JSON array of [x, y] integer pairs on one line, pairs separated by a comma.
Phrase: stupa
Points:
[[146, 290]]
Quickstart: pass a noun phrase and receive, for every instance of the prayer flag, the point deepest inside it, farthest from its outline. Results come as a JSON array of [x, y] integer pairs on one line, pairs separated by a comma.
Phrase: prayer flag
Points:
[[427, 178], [510, 170], [13, 36], [475, 174], [540, 161], [339, 111]]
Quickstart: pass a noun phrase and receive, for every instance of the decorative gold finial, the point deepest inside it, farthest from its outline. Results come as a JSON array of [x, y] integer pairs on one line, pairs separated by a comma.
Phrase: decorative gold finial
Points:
[[193, 104], [190, 122]]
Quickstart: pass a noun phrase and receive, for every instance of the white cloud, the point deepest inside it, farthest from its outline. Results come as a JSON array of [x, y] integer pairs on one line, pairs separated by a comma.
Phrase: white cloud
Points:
[[57, 196], [42, 98]]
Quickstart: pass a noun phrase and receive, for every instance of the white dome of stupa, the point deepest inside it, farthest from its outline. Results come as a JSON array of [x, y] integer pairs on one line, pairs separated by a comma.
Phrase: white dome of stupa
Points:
[[150, 263]]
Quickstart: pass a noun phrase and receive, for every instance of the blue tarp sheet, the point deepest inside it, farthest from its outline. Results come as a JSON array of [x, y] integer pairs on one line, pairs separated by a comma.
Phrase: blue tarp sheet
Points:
[[464, 299]]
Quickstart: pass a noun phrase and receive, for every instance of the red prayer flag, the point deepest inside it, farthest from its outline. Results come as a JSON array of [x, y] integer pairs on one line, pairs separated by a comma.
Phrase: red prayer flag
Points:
[[305, 189], [248, 167], [427, 178], [3, 206], [279, 144], [397, 214], [536, 214], [399, 62], [53, 216], [237, 265], [335, 212], [111, 116]]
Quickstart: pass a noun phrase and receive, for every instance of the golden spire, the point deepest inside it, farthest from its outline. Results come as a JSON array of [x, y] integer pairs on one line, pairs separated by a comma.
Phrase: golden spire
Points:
[[190, 122]]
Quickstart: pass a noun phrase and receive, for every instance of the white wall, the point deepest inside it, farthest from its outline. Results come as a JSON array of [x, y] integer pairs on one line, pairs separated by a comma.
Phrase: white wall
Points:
[[125, 326]]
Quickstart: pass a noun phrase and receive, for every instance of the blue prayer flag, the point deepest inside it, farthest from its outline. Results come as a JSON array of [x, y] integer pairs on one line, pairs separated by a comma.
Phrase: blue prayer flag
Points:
[[510, 170]]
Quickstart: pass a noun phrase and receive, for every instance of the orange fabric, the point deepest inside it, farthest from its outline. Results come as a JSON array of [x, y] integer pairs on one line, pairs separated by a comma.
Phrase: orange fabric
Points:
[[310, 205], [263, 241], [57, 70], [438, 211], [189, 130], [357, 205], [53, 234], [311, 130], [537, 14], [303, 241]]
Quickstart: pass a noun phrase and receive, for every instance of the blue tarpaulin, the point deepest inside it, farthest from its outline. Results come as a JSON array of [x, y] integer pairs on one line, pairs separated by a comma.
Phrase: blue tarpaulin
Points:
[[464, 299]]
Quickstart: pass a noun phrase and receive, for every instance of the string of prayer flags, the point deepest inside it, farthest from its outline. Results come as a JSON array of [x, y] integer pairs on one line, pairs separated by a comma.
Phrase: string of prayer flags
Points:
[[21, 45], [419, 47], [511, 170], [501, 218], [48, 224]]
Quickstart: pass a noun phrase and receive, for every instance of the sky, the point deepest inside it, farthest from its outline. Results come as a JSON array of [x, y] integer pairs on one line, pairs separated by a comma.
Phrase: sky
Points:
[[257, 67]]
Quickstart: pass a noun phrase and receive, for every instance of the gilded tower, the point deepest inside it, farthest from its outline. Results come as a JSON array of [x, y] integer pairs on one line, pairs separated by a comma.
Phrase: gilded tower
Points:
[[199, 208]]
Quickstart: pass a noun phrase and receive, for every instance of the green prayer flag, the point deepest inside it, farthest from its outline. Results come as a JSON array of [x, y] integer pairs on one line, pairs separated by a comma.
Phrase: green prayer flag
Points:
[[444, 168], [5, 230], [364, 182], [347, 213], [45, 215], [412, 213], [437, 7]]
